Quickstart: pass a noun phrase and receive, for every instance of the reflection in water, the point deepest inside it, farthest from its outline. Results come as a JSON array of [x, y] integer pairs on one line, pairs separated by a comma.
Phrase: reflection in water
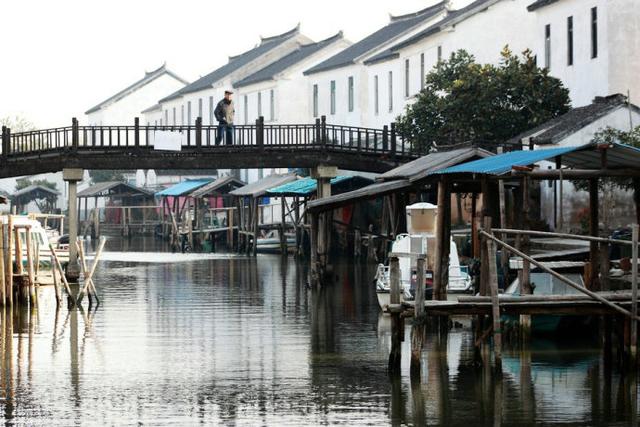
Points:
[[239, 340]]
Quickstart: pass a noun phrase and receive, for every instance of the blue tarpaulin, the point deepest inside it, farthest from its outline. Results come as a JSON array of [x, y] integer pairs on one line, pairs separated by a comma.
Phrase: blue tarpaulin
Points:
[[183, 188], [307, 186]]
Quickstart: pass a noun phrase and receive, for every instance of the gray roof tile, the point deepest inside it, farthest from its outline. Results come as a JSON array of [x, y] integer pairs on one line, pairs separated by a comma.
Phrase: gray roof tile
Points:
[[539, 4], [148, 78], [396, 27], [235, 63], [272, 70]]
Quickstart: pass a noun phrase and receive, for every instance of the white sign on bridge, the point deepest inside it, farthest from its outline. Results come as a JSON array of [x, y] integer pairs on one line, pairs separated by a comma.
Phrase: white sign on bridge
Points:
[[167, 141]]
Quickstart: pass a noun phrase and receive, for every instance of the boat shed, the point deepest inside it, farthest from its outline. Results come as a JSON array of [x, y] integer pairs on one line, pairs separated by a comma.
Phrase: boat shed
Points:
[[44, 197], [247, 202], [591, 162], [125, 205]]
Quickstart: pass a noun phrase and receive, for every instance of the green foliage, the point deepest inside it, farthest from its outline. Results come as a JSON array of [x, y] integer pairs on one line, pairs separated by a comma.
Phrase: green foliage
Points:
[[465, 101], [106, 175], [608, 136], [25, 182]]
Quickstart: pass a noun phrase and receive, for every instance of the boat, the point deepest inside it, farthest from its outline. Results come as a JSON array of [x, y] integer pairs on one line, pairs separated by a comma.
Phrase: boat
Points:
[[40, 239], [544, 284], [270, 243], [419, 240]]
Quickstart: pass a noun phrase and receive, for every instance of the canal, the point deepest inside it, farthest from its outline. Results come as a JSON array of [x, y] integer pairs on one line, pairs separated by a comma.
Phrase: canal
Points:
[[224, 339]]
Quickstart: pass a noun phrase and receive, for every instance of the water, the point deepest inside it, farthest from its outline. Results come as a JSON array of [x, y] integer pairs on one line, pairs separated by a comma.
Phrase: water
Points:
[[185, 339]]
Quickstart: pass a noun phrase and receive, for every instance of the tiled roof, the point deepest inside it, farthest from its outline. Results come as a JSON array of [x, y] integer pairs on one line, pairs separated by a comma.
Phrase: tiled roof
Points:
[[148, 78], [539, 4], [452, 18], [235, 63], [396, 27], [272, 70], [575, 119]]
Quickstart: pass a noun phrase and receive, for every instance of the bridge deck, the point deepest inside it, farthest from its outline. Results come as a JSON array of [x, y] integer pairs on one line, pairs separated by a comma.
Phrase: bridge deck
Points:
[[252, 146]]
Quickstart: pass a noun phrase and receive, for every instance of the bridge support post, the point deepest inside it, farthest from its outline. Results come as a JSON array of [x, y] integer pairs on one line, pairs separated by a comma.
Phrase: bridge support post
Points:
[[323, 175], [72, 176]]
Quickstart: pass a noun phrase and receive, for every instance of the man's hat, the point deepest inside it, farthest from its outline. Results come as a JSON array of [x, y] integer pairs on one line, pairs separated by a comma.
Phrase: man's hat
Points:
[[228, 92]]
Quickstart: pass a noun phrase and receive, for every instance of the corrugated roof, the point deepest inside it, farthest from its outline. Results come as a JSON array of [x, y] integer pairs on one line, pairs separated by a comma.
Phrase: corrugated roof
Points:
[[299, 55], [502, 163], [365, 193], [215, 186], [308, 186], [260, 188], [35, 188], [539, 4], [108, 187], [555, 130], [619, 156], [234, 64], [184, 187], [421, 167], [152, 108], [395, 28], [148, 78], [452, 18]]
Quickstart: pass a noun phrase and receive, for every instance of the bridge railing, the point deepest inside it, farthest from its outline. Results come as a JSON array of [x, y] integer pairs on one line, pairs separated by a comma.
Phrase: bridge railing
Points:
[[319, 135]]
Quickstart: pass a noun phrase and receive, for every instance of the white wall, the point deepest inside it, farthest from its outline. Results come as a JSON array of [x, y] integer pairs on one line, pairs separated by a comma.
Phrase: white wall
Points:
[[123, 111]]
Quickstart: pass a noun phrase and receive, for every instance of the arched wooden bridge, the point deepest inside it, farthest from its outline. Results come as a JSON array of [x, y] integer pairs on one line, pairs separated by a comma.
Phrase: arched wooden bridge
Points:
[[254, 146]]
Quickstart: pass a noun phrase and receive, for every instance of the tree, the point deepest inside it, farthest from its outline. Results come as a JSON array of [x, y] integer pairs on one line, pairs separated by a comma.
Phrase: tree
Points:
[[25, 182], [17, 123], [104, 175], [464, 101], [608, 136]]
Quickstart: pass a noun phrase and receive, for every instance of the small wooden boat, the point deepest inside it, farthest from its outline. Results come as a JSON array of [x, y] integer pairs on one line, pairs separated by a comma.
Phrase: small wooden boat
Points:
[[270, 243]]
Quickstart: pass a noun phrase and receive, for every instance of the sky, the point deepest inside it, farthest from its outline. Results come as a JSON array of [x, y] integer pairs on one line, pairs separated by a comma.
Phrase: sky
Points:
[[60, 58]]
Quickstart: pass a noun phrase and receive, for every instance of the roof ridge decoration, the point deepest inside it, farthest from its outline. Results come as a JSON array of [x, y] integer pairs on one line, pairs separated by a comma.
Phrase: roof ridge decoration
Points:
[[426, 10], [285, 35]]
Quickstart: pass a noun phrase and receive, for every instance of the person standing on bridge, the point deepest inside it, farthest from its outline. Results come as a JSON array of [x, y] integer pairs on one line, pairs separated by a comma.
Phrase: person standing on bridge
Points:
[[224, 113]]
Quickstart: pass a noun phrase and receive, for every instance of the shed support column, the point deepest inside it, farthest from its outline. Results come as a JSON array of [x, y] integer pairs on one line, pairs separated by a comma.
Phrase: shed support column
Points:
[[593, 231], [323, 175], [72, 176], [443, 239]]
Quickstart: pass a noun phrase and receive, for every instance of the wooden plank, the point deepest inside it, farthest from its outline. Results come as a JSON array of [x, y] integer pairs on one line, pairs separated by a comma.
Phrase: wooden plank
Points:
[[420, 280], [394, 279], [495, 304]]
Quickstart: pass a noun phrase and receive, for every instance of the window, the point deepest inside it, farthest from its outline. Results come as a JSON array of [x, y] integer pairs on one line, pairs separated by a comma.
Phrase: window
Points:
[[570, 40], [211, 109], [188, 112], [166, 116], [333, 96], [390, 91], [439, 53], [406, 78], [350, 93], [259, 104], [547, 46], [315, 100], [200, 107], [182, 114], [246, 109], [376, 99], [272, 105], [594, 32], [421, 71], [174, 116]]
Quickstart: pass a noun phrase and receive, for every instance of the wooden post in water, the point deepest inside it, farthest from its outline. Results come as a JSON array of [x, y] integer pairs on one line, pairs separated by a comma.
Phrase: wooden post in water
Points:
[[634, 296], [256, 219], [283, 239], [63, 277], [9, 273], [443, 241], [394, 308], [417, 331], [495, 307], [30, 270], [525, 277], [3, 279], [593, 231]]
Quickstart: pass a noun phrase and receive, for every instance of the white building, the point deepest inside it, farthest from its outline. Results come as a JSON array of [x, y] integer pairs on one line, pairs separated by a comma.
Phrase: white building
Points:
[[338, 87], [124, 106], [200, 98], [593, 46]]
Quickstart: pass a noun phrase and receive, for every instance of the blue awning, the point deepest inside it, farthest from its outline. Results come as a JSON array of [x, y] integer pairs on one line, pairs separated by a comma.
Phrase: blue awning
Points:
[[307, 186], [185, 187], [503, 163]]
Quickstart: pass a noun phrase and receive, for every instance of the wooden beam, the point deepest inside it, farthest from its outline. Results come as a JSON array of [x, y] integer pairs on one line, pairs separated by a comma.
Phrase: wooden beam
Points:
[[593, 231]]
